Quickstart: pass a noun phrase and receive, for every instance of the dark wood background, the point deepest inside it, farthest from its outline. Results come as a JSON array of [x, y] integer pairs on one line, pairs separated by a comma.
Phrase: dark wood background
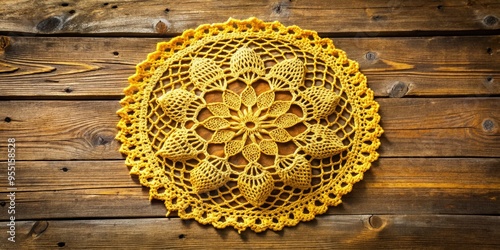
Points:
[[434, 66]]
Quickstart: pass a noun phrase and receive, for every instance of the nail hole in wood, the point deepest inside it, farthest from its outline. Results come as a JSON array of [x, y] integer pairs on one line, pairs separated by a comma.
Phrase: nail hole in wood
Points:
[[167, 10], [61, 244], [114, 6], [489, 51], [489, 79], [105, 4], [68, 90], [65, 169], [115, 53], [7, 119], [182, 236], [377, 18], [440, 7], [3, 203], [72, 12], [277, 9], [64, 4]]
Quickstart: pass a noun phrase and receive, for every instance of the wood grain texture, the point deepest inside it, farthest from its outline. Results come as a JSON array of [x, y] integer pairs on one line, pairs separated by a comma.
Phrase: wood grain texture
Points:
[[98, 68], [433, 65], [56, 130], [360, 18], [327, 232], [104, 189], [85, 130]]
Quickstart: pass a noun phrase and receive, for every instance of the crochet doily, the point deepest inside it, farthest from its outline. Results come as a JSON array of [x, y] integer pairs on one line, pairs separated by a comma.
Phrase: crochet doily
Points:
[[248, 124]]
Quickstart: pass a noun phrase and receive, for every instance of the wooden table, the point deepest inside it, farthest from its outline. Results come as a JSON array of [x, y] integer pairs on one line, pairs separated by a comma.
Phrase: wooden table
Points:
[[434, 67]]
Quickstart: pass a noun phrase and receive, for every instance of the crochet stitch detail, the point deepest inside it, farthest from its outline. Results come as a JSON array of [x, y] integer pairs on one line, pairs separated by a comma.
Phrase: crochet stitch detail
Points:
[[248, 124]]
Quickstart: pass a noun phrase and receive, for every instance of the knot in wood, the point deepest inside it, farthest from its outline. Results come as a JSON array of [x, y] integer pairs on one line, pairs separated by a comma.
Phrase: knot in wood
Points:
[[50, 24], [375, 222], [490, 20], [398, 90], [377, 18], [38, 228], [488, 125], [277, 9], [100, 140], [161, 28], [4, 42], [370, 56], [68, 90]]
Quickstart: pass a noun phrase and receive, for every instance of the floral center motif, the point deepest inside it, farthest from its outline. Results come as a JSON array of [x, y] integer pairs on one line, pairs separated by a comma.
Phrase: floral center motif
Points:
[[250, 123]]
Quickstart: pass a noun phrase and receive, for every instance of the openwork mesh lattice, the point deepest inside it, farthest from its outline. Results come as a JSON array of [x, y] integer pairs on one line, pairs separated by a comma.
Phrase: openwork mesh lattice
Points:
[[248, 124]]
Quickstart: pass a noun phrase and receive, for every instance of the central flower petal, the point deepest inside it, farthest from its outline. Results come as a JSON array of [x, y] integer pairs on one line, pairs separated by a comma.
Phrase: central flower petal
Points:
[[219, 109], [215, 123], [232, 100], [222, 136], [268, 147], [265, 100], [248, 96], [287, 120], [278, 108], [251, 152], [233, 147], [280, 135]]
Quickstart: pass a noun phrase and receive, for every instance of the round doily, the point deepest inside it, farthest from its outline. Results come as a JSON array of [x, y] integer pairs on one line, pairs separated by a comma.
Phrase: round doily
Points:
[[248, 124]]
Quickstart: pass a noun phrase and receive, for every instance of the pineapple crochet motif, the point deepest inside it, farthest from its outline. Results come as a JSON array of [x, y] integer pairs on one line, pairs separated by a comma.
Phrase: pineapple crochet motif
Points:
[[248, 124]]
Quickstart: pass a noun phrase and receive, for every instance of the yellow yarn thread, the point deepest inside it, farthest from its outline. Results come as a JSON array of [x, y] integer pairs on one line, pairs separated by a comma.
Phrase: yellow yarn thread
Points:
[[248, 124]]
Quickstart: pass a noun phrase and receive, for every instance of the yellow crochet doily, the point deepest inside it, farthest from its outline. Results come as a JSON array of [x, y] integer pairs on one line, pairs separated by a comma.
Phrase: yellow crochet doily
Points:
[[248, 124]]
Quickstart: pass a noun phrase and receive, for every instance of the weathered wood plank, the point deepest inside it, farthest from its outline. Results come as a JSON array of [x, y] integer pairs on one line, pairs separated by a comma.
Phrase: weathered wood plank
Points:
[[56, 130], [85, 130], [358, 18], [47, 67], [104, 189], [440, 126], [328, 232]]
